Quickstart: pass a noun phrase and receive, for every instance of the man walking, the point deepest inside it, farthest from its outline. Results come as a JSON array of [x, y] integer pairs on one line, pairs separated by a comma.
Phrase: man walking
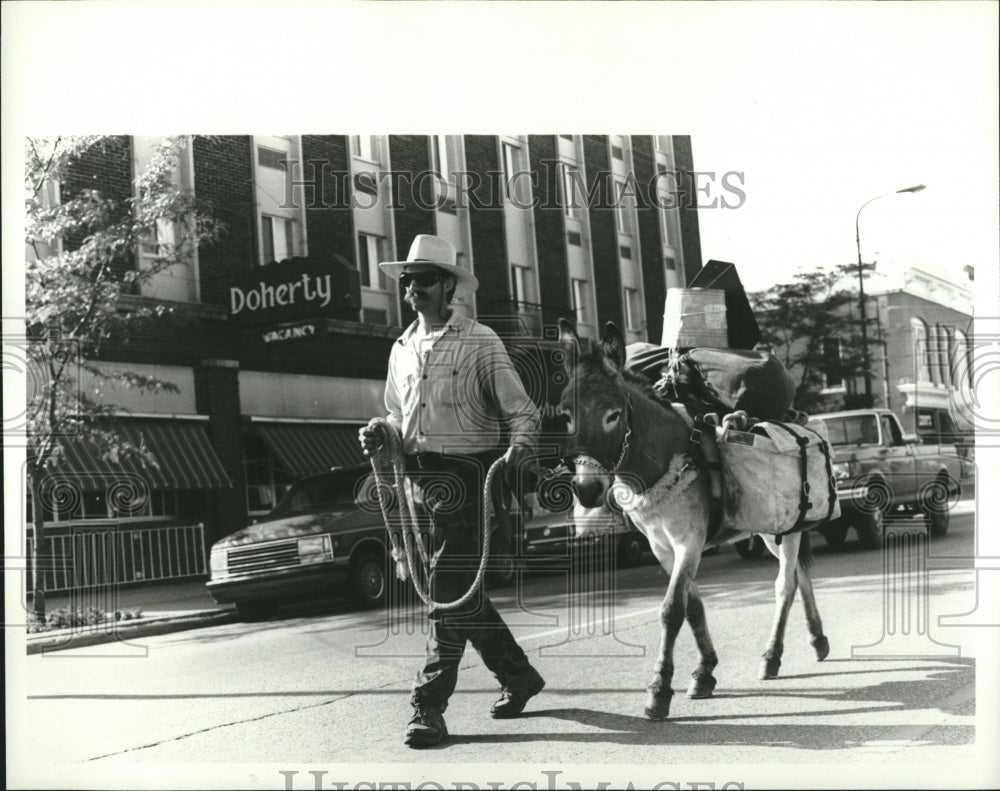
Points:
[[450, 391]]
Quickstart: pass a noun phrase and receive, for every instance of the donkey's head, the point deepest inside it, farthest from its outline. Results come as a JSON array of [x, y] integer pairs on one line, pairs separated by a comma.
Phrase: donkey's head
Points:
[[596, 401]]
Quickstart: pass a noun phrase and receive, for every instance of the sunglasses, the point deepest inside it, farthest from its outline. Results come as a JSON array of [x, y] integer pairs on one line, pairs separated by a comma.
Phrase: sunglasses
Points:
[[422, 279]]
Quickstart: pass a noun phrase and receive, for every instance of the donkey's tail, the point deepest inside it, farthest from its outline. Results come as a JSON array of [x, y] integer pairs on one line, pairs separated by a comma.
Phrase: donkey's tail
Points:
[[805, 550]]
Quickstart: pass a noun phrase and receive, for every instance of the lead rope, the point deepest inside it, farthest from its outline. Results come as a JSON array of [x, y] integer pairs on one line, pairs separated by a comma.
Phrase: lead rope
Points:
[[408, 517]]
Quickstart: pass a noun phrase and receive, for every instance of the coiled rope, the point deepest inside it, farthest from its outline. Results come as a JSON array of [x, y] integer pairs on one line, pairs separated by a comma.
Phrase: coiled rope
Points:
[[402, 538]]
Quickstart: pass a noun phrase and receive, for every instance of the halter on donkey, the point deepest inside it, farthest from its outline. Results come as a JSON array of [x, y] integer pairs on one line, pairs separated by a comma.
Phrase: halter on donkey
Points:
[[621, 431]]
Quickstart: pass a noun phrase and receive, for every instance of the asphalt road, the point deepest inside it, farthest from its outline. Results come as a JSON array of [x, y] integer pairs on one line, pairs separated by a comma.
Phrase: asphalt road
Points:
[[326, 691]]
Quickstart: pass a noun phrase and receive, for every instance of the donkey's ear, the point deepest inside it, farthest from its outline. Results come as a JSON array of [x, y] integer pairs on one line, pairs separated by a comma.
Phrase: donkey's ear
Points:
[[613, 344], [569, 341]]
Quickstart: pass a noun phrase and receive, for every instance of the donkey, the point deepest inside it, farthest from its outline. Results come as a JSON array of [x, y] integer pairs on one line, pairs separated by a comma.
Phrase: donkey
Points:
[[620, 431]]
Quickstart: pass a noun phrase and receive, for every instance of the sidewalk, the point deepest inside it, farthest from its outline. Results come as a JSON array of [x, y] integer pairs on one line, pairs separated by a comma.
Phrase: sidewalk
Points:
[[164, 607], [179, 596]]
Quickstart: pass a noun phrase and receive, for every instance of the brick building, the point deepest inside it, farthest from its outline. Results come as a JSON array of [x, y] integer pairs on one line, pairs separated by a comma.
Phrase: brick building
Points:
[[289, 322]]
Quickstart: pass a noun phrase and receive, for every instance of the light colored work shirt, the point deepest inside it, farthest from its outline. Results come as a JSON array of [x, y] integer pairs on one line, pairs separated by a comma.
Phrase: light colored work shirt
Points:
[[454, 391]]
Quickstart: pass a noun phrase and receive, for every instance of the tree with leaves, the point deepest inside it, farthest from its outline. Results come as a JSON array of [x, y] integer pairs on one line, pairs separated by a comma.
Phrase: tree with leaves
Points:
[[84, 280], [798, 318]]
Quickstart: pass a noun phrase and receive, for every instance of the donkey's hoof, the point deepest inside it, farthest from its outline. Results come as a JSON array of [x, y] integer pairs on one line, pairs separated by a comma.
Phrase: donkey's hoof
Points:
[[702, 685], [658, 704], [822, 647], [769, 668]]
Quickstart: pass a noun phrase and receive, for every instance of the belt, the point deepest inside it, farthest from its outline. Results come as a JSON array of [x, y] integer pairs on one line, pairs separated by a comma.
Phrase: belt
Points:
[[429, 460]]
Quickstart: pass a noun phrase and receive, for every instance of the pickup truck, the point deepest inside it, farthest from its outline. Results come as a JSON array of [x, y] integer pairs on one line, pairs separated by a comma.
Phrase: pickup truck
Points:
[[880, 471]]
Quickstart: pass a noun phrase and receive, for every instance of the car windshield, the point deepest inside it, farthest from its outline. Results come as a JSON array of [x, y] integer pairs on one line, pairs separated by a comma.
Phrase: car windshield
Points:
[[327, 493], [852, 429]]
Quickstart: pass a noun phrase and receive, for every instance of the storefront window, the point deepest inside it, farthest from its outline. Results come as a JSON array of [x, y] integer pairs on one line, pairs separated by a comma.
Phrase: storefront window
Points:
[[267, 481]]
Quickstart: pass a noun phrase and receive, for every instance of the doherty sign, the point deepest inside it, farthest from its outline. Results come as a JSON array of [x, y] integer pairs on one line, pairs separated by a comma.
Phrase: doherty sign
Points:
[[296, 288]]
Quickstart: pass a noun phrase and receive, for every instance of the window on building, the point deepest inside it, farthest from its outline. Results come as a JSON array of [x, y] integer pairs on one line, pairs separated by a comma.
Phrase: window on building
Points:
[[960, 362], [945, 345], [369, 256], [667, 213], [447, 159], [519, 283], [633, 309], [622, 208], [266, 479], [171, 267], [517, 181], [365, 147], [921, 356], [568, 194], [277, 238], [442, 162], [833, 362], [280, 203], [581, 300]]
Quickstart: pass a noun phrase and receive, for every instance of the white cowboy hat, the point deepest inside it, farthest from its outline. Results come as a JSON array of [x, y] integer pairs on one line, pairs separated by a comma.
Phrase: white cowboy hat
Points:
[[428, 249]]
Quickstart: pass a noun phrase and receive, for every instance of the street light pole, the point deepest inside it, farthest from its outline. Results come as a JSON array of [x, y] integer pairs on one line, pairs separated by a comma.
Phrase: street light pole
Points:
[[869, 402]]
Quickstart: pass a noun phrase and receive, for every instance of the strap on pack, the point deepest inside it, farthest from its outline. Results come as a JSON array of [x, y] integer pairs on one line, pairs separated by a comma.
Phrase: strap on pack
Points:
[[804, 504], [703, 451], [832, 483]]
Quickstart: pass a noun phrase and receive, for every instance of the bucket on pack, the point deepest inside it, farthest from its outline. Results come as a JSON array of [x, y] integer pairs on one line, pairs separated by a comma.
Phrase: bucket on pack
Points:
[[695, 317]]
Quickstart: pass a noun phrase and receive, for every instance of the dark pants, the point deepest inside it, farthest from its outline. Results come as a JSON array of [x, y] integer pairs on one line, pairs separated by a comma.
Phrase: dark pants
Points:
[[448, 491]]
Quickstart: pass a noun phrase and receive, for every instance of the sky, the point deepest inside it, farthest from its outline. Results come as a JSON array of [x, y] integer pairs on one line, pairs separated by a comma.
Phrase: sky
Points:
[[820, 106]]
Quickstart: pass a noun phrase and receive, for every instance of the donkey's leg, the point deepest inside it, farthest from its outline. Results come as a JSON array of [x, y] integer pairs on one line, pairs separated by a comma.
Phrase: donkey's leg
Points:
[[817, 639], [702, 681], [784, 594], [672, 615]]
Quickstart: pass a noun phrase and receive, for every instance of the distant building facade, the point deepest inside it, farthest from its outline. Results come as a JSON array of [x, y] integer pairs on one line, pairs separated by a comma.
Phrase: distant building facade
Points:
[[920, 331]]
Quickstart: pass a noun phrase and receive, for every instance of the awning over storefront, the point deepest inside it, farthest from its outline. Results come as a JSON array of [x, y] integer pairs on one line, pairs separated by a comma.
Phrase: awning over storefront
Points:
[[309, 448], [181, 448]]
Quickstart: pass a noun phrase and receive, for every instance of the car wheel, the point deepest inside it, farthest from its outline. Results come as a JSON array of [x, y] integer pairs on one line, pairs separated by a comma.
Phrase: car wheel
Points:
[[835, 534], [869, 519], [368, 581], [934, 502], [630, 548], [255, 610], [752, 548]]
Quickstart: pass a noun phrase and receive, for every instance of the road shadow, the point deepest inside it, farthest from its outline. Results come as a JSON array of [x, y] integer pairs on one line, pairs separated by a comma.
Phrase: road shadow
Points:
[[940, 684]]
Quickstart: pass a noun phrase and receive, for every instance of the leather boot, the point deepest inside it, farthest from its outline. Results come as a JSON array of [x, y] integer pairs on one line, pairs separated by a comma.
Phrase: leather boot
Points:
[[514, 697], [427, 727]]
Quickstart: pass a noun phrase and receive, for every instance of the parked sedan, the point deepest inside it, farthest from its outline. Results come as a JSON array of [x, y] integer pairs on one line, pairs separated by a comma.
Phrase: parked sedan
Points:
[[325, 537]]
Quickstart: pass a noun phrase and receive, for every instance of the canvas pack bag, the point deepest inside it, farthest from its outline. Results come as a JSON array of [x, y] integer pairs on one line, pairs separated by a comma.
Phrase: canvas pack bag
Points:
[[777, 478], [709, 380], [730, 380]]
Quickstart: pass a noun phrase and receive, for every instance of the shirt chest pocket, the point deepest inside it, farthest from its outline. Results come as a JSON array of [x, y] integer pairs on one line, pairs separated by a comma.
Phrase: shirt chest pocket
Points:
[[445, 387]]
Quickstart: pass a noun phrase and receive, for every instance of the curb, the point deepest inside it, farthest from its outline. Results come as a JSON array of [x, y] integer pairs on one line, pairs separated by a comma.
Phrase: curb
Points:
[[62, 639]]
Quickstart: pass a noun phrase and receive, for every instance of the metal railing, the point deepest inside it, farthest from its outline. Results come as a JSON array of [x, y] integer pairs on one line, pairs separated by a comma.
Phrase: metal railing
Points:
[[108, 554], [511, 315]]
